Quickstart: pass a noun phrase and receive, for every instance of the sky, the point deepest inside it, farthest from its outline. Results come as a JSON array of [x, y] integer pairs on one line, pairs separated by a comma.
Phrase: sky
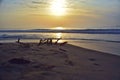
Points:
[[70, 14]]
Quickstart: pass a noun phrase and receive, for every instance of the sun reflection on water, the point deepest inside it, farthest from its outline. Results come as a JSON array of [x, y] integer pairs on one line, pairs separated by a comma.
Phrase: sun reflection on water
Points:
[[58, 35]]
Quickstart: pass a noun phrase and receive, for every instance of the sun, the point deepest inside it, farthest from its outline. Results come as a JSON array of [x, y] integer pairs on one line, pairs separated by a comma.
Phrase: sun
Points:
[[59, 28], [57, 7]]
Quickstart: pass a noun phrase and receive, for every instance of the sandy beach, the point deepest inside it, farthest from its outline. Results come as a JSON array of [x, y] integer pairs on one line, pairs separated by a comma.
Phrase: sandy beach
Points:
[[54, 62]]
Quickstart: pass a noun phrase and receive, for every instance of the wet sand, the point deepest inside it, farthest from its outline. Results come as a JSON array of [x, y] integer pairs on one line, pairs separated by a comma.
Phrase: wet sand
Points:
[[54, 62]]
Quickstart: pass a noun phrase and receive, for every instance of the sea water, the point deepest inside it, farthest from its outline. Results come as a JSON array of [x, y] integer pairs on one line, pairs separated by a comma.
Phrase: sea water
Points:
[[109, 43]]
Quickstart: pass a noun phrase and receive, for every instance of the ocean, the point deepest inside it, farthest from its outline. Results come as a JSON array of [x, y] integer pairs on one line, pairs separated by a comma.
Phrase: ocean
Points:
[[109, 43]]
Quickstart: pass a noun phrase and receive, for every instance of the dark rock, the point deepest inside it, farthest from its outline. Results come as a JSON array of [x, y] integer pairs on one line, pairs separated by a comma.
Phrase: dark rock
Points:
[[19, 61], [1, 44], [62, 50], [96, 64], [69, 62], [92, 59]]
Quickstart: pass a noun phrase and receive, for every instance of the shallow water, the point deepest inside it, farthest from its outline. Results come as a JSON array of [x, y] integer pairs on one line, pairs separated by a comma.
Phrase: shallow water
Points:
[[109, 43]]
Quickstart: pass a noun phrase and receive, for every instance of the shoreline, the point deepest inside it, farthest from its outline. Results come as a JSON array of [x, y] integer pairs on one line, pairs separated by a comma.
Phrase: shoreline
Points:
[[105, 47], [95, 50], [55, 62]]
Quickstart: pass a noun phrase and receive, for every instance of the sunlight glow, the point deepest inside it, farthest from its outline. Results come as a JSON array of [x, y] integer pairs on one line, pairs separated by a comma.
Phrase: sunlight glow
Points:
[[59, 28], [57, 7]]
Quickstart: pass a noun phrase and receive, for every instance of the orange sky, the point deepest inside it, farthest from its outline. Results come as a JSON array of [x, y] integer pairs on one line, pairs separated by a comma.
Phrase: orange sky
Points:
[[34, 14]]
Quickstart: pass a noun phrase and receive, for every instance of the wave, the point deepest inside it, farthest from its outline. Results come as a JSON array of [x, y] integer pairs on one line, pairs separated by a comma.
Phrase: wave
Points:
[[87, 31], [34, 36], [7, 36]]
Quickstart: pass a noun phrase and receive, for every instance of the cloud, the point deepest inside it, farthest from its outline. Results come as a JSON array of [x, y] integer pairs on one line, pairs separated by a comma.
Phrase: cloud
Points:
[[72, 4], [39, 2]]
